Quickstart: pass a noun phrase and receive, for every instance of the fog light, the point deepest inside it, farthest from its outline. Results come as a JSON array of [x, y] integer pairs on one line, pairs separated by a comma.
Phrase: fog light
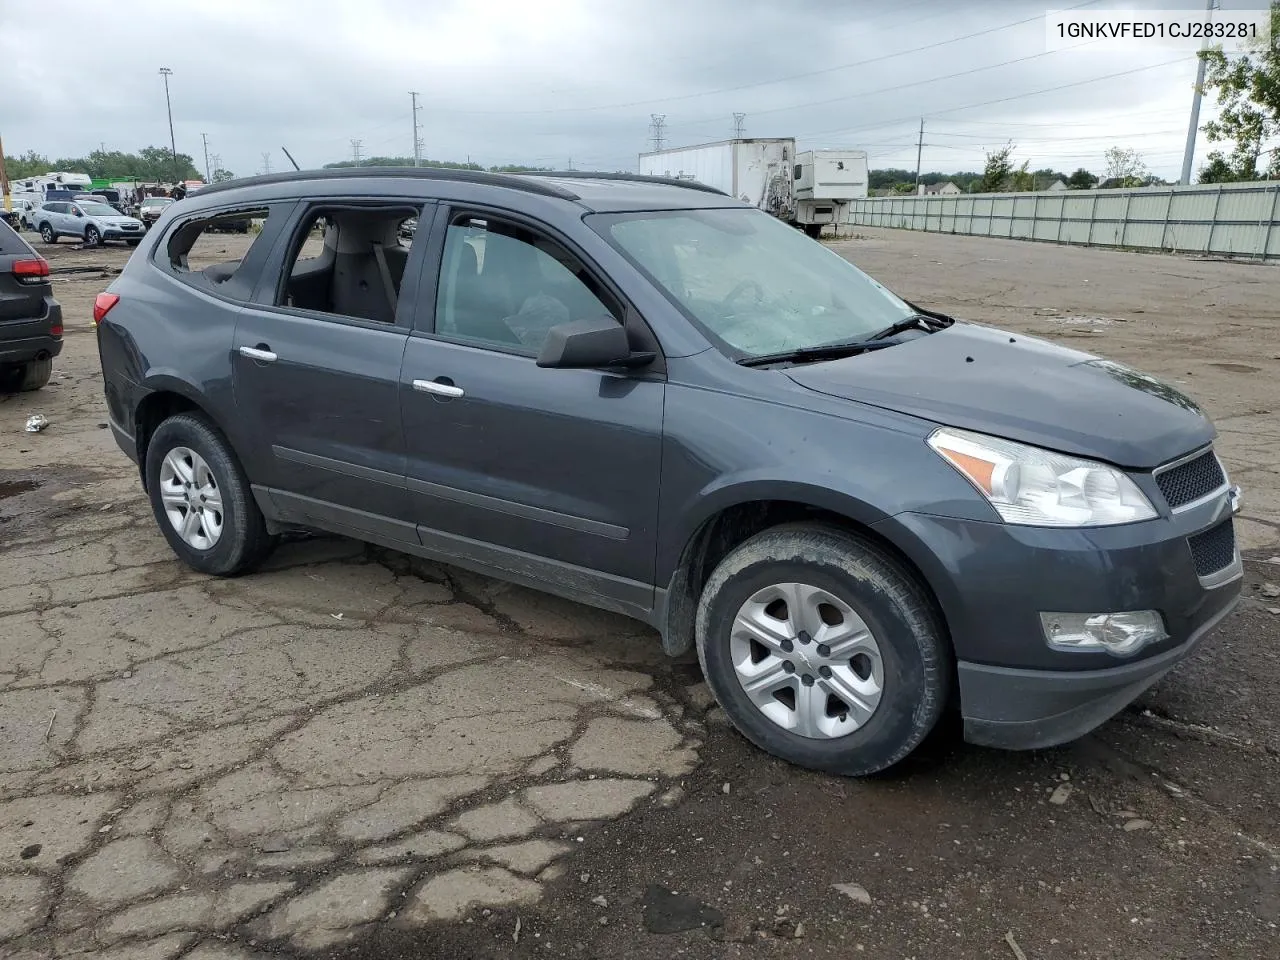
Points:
[[1119, 633]]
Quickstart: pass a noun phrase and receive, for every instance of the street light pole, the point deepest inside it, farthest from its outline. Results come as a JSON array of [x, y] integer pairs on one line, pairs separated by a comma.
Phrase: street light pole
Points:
[[173, 144]]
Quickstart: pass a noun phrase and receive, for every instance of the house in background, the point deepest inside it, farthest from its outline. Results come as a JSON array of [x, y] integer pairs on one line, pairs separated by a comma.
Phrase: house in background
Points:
[[947, 189]]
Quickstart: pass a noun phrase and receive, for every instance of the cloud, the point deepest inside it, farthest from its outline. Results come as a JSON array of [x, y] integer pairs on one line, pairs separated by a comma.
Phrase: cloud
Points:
[[551, 81]]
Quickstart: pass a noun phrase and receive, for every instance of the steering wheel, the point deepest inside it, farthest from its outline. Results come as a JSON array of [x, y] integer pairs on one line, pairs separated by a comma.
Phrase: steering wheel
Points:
[[742, 286]]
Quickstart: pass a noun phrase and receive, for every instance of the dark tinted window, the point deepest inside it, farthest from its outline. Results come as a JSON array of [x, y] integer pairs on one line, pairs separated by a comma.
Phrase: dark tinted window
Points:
[[503, 285]]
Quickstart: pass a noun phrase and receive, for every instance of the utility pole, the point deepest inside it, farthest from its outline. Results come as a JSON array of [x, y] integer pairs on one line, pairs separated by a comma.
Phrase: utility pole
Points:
[[739, 128], [173, 145], [656, 124], [417, 144], [355, 151], [208, 178], [919, 151], [1189, 153], [266, 162], [4, 182]]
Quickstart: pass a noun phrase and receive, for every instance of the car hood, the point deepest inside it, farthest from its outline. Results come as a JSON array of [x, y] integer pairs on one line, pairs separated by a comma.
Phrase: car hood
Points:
[[1021, 388], [120, 221]]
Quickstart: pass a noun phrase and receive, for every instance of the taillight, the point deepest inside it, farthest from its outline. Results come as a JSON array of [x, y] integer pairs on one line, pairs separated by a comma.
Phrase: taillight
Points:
[[102, 304], [31, 271]]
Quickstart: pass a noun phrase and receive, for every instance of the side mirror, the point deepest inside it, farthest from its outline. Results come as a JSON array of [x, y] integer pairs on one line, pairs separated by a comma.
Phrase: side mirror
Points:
[[79, 212], [596, 342]]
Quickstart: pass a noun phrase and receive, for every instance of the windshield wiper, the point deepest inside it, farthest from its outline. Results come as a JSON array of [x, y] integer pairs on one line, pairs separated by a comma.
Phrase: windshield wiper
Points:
[[913, 322], [832, 351], [826, 351]]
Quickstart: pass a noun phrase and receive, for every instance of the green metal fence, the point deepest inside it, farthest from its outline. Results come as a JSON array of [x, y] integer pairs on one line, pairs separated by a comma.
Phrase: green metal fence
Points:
[[1232, 219]]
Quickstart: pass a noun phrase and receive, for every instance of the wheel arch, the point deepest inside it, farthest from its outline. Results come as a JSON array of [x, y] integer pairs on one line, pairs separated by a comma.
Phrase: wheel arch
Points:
[[166, 396], [734, 515]]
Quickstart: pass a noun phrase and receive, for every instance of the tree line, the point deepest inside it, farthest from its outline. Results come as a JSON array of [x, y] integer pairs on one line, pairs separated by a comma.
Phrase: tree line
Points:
[[148, 165]]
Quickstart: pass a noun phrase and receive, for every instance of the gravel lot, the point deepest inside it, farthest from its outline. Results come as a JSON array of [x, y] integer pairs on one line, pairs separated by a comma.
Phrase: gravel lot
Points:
[[355, 754]]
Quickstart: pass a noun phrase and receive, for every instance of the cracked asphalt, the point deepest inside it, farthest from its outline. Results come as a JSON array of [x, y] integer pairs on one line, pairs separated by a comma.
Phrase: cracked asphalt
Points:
[[357, 754]]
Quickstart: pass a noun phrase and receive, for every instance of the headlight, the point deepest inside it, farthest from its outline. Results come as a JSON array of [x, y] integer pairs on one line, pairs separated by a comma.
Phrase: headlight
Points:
[[1040, 488]]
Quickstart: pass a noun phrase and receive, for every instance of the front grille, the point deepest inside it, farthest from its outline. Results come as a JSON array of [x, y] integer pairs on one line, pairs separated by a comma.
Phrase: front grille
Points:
[[1213, 549], [1192, 480]]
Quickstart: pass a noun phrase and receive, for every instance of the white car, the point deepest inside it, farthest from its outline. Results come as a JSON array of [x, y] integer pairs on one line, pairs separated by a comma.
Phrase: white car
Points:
[[93, 222]]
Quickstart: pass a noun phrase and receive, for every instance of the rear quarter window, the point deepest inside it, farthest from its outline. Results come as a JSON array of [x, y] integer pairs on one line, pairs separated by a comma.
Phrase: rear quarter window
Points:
[[208, 251]]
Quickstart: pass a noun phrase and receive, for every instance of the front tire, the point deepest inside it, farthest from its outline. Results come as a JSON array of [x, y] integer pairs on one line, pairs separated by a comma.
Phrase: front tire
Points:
[[47, 233], [201, 498], [92, 237], [133, 243], [823, 649]]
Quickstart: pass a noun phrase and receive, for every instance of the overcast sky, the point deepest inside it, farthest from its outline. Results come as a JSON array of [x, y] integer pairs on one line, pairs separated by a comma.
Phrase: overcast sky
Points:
[[547, 82]]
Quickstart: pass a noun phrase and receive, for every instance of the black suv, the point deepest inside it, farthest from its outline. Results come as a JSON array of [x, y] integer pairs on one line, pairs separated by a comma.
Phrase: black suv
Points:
[[30, 318], [647, 396]]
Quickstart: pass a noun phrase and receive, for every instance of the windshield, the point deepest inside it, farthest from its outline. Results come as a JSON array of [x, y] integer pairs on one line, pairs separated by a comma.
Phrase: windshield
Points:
[[99, 210], [156, 202], [753, 283]]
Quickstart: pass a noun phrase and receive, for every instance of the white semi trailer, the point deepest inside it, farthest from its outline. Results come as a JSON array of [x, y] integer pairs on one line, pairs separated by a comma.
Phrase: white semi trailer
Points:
[[809, 189]]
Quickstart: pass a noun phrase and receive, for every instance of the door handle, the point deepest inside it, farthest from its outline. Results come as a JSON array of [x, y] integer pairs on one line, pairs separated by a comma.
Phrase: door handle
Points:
[[439, 389], [259, 354]]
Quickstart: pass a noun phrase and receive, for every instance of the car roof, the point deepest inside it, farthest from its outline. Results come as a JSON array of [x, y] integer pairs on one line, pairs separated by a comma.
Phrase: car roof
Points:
[[597, 192]]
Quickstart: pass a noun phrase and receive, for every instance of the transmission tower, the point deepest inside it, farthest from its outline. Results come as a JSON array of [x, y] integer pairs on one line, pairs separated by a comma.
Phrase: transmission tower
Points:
[[739, 125], [355, 151], [417, 141], [657, 123], [266, 162]]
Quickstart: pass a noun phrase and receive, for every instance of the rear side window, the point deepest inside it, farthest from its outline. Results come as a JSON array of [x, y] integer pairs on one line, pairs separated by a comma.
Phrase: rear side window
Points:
[[350, 261], [207, 252]]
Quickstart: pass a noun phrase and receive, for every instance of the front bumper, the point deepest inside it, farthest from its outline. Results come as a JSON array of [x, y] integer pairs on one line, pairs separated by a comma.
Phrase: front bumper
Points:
[[993, 580], [115, 233], [1031, 709]]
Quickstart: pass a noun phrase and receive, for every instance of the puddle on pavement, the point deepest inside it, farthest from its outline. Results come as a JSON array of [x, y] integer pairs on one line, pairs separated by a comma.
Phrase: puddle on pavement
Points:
[[11, 488]]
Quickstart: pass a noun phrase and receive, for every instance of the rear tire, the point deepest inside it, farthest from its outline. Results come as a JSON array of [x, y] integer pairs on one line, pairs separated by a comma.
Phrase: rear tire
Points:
[[813, 230], [188, 457], [47, 234], [862, 680], [35, 374]]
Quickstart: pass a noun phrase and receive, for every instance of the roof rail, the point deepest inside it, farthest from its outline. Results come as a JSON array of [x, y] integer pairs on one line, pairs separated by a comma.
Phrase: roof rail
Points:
[[511, 181], [629, 177]]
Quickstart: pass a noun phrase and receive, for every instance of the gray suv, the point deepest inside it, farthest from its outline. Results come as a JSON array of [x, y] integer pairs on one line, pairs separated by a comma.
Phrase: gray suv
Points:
[[92, 221], [647, 396]]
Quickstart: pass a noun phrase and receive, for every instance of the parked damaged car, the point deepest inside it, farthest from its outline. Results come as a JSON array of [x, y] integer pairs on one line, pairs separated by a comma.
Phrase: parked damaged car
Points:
[[647, 396]]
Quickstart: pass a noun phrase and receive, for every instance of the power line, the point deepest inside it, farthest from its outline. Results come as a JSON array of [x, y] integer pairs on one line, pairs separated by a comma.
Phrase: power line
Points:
[[987, 103], [1039, 18], [903, 86]]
